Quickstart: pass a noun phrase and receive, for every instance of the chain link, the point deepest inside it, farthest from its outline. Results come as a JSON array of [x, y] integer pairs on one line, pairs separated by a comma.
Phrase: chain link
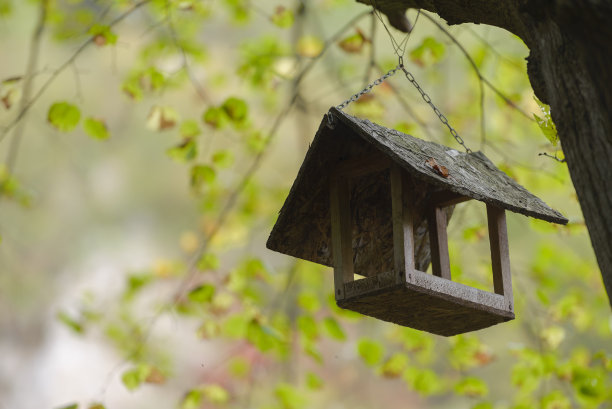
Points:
[[426, 98]]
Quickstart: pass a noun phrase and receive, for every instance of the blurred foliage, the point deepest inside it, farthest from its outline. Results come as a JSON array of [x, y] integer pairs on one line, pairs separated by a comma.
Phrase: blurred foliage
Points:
[[215, 103]]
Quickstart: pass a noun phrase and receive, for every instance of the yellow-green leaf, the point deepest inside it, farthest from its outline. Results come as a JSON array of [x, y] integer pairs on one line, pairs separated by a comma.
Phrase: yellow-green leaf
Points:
[[370, 351], [236, 109], [185, 151], [202, 175], [64, 116], [102, 35], [202, 294], [282, 17], [96, 128], [215, 394], [333, 329]]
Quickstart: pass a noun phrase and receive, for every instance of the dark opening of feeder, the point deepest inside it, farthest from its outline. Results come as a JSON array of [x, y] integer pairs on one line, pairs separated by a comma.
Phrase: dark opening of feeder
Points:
[[373, 201]]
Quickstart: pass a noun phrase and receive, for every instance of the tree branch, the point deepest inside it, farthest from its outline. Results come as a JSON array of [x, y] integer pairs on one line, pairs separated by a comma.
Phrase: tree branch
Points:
[[28, 81]]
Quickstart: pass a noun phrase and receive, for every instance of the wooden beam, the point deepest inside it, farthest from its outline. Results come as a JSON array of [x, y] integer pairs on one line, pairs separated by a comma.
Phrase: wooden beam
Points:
[[500, 254], [341, 228], [446, 198], [362, 165], [403, 237], [438, 240]]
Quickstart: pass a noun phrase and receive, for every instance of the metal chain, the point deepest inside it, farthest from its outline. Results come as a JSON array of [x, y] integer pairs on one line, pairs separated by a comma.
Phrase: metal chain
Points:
[[367, 89], [427, 99]]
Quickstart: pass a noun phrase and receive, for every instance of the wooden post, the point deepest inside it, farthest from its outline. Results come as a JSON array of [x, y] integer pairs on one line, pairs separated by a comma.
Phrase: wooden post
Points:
[[500, 255], [403, 238], [341, 226], [438, 240]]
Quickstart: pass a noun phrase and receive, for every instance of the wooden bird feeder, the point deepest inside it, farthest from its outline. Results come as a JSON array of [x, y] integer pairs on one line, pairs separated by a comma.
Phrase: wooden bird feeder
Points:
[[373, 201]]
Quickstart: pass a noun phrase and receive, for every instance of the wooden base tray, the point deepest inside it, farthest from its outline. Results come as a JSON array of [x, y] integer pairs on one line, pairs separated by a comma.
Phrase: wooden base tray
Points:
[[426, 302]]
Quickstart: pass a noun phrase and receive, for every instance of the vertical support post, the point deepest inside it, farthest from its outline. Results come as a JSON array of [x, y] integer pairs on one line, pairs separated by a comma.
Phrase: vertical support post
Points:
[[403, 238], [341, 229], [438, 240], [500, 254]]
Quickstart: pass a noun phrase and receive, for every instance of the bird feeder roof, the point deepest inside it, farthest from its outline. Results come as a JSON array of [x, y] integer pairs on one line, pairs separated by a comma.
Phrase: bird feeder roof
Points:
[[304, 218]]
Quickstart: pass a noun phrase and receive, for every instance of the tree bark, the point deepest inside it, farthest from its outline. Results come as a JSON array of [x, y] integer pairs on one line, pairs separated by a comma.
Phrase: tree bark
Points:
[[570, 68]]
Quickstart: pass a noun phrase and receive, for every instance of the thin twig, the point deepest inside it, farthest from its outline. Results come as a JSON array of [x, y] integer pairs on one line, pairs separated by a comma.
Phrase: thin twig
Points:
[[173, 35], [372, 56], [555, 157], [28, 81], [475, 67], [483, 130]]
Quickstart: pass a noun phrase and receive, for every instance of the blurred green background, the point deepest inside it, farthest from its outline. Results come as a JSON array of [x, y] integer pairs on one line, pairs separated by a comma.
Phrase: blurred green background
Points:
[[133, 267]]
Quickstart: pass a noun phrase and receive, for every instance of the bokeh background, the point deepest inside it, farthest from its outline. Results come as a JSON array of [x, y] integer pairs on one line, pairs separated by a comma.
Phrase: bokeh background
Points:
[[133, 267]]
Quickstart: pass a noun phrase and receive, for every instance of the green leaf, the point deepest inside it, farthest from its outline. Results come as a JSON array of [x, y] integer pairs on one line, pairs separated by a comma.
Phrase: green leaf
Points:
[[555, 400], [262, 336], [353, 43], [189, 128], [289, 396], [202, 294], [70, 322], [223, 158], [546, 124], [472, 387], [215, 117], [429, 52], [96, 128], [394, 366], [64, 116], [6, 7], [313, 381], [208, 261], [333, 329], [370, 351], [308, 326], [309, 301], [202, 175], [424, 381], [282, 17], [96, 406], [192, 399], [185, 151], [102, 35], [215, 394], [239, 367], [236, 109], [133, 378]]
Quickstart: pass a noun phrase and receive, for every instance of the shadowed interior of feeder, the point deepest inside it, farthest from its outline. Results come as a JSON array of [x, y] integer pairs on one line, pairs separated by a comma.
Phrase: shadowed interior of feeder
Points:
[[372, 230]]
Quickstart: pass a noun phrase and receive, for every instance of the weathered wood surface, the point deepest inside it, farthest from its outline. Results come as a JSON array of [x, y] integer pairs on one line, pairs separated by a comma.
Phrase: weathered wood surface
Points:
[[440, 260], [470, 174], [403, 231], [341, 233], [427, 303], [500, 253], [303, 228]]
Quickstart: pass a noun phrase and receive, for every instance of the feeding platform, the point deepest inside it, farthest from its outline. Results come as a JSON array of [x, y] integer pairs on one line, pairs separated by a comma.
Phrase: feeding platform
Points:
[[375, 202]]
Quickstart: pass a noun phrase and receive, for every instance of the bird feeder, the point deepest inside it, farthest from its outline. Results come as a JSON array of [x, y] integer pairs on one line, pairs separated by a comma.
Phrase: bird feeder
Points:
[[374, 202]]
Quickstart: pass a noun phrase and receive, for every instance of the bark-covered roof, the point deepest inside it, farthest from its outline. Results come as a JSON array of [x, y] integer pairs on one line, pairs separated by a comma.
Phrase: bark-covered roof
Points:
[[303, 227], [469, 174]]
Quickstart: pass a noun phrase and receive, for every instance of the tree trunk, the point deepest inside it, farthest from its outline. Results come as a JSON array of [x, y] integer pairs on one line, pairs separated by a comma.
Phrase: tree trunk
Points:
[[570, 68]]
